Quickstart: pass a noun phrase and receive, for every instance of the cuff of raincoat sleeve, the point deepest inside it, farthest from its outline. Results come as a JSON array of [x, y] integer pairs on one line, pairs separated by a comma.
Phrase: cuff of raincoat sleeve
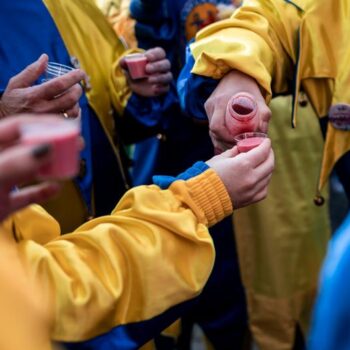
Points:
[[210, 194]]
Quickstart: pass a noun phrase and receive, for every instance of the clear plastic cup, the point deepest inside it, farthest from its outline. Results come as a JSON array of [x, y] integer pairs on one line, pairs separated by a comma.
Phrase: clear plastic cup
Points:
[[249, 140], [64, 137], [136, 64], [54, 70]]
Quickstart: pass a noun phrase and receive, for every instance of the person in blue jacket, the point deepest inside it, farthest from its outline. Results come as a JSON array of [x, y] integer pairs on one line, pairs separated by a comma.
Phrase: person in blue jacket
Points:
[[31, 28], [330, 326]]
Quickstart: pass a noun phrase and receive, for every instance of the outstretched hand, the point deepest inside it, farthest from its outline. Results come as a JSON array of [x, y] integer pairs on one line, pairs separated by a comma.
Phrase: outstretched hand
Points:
[[54, 96], [245, 175]]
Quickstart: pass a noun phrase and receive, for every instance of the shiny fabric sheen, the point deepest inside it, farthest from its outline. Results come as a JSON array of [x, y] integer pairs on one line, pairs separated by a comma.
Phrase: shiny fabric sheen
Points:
[[277, 42]]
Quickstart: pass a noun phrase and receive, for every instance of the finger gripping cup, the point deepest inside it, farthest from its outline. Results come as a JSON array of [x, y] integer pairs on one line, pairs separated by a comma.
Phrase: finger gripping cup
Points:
[[241, 114]]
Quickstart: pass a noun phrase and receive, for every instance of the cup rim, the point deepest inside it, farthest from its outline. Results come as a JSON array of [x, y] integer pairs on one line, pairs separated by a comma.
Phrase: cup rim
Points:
[[249, 134], [57, 69], [55, 65], [132, 56], [56, 126]]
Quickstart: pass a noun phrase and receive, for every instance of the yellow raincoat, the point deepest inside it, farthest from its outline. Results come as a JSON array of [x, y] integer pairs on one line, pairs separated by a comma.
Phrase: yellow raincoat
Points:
[[281, 43], [124, 267], [282, 240]]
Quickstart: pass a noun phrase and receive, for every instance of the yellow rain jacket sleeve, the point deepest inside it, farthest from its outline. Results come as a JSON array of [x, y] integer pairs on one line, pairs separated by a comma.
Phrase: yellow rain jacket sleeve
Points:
[[285, 46], [154, 251], [259, 40]]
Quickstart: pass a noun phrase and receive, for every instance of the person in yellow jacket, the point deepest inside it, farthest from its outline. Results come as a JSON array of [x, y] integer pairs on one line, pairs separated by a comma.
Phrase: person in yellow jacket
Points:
[[124, 268], [274, 47], [281, 241]]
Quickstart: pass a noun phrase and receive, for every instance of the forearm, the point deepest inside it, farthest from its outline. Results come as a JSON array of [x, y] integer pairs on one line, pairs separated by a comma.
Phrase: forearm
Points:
[[125, 267]]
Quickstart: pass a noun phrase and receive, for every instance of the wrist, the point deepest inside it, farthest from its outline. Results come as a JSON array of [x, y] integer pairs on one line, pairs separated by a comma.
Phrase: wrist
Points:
[[237, 81]]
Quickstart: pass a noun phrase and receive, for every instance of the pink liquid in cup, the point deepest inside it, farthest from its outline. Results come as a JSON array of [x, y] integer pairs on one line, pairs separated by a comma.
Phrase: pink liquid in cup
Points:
[[241, 114], [248, 144], [63, 136], [249, 140], [136, 65]]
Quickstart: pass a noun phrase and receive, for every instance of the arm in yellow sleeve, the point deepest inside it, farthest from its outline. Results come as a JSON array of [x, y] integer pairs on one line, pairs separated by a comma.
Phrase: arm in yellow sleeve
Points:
[[260, 40], [154, 251]]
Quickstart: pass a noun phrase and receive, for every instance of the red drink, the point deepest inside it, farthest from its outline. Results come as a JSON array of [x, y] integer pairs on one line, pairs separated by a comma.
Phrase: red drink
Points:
[[136, 65], [249, 140], [63, 136], [248, 144], [242, 114]]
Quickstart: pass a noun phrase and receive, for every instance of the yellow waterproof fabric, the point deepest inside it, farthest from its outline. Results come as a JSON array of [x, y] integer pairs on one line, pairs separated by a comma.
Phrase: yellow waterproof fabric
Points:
[[124, 267], [89, 38], [23, 322], [282, 240], [283, 43]]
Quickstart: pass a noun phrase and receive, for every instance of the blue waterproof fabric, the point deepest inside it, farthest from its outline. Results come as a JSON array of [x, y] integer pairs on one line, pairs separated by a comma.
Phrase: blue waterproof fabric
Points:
[[331, 319]]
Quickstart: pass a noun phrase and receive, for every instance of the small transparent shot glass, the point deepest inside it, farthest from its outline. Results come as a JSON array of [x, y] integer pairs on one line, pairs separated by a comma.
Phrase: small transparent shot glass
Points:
[[54, 70], [249, 140]]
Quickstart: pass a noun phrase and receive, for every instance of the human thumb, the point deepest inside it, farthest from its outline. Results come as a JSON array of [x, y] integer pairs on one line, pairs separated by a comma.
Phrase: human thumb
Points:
[[230, 153], [30, 74]]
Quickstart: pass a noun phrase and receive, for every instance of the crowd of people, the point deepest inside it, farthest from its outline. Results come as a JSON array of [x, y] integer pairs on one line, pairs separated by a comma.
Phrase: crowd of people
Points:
[[165, 223]]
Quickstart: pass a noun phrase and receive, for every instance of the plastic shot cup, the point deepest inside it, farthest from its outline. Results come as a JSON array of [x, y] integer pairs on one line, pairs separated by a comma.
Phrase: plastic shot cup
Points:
[[64, 137], [249, 140], [136, 64], [54, 70]]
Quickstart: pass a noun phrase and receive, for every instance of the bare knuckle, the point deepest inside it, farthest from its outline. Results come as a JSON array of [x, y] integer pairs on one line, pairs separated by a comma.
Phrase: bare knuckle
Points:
[[159, 51], [59, 85], [214, 127], [71, 99], [77, 90], [167, 64], [30, 98]]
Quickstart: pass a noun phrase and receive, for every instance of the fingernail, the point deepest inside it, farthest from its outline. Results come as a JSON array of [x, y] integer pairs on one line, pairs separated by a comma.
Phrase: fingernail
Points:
[[41, 151]]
